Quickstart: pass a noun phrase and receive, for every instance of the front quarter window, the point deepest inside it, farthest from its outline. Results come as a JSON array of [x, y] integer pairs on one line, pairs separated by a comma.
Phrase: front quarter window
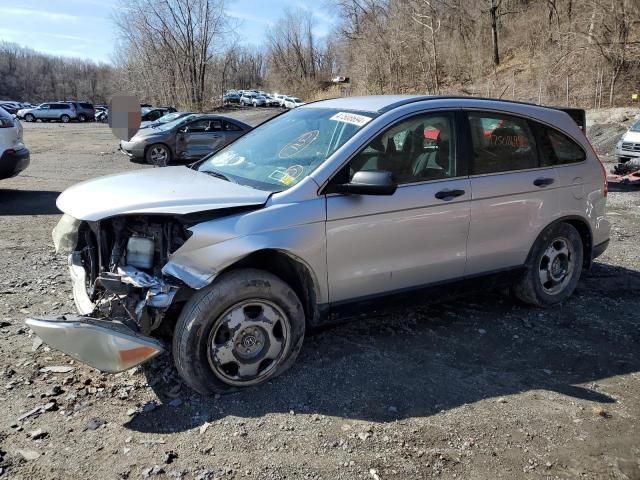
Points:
[[281, 152]]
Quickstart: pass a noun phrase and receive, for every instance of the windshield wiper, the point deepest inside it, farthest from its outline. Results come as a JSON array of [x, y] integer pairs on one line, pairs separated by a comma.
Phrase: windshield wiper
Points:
[[213, 173]]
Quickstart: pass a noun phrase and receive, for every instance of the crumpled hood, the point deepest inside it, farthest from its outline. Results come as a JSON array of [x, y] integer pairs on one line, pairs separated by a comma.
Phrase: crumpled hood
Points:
[[168, 190]]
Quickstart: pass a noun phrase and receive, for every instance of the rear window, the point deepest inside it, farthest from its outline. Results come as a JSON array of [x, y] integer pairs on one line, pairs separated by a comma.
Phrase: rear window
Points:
[[561, 149]]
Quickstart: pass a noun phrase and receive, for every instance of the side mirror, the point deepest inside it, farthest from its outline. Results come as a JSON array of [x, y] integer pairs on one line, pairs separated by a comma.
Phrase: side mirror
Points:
[[374, 182]]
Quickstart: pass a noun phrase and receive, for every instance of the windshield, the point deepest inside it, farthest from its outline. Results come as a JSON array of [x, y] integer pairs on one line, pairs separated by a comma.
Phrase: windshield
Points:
[[283, 151], [169, 117], [635, 127], [163, 127]]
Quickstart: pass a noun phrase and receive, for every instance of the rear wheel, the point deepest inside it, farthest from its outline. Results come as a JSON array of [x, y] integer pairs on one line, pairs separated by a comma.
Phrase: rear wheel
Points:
[[65, 118], [82, 117], [158, 155], [554, 267], [243, 330]]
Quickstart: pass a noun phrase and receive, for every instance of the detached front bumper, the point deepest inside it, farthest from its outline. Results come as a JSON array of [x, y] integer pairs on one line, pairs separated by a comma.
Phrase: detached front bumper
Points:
[[108, 345]]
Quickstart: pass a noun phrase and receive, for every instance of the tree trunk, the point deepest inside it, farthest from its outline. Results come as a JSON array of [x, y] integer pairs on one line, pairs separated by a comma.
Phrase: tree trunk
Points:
[[493, 11]]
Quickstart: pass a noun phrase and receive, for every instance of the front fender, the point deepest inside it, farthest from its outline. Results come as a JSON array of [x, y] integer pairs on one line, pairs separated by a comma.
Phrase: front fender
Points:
[[294, 229]]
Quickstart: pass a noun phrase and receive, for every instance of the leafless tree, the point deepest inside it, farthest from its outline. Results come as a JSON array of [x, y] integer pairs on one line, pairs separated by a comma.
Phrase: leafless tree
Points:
[[29, 76], [167, 47]]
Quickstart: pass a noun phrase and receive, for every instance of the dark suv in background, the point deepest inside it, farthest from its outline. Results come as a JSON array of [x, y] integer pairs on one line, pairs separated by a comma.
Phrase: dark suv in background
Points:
[[84, 111]]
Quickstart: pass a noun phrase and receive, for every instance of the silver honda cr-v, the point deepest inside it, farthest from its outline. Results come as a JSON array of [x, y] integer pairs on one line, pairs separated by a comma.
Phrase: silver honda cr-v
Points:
[[320, 214]]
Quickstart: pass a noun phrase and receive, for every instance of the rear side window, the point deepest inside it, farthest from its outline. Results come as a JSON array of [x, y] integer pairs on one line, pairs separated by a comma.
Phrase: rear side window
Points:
[[561, 149], [86, 105], [501, 143], [60, 106], [230, 127]]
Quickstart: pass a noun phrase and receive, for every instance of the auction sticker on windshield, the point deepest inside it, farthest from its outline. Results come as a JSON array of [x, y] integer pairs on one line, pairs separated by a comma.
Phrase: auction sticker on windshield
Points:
[[299, 144], [352, 118]]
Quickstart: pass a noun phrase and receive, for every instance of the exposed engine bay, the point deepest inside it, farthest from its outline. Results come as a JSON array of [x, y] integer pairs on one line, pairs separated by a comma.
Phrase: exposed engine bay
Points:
[[116, 266]]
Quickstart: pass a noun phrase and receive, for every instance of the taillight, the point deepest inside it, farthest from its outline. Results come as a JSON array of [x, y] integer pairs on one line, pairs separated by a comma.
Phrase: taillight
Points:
[[605, 186]]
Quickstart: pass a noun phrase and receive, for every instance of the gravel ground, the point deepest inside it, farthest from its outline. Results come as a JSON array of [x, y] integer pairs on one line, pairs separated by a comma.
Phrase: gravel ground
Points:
[[482, 387]]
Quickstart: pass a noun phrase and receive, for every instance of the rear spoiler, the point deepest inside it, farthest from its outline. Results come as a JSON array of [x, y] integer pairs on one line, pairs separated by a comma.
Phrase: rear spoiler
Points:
[[578, 115]]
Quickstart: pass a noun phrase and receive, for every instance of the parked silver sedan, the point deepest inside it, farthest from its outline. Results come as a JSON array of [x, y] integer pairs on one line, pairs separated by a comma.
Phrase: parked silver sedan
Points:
[[184, 139], [327, 212]]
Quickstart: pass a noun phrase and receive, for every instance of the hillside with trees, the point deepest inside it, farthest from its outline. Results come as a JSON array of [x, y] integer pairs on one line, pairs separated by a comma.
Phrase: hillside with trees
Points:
[[188, 52], [26, 75]]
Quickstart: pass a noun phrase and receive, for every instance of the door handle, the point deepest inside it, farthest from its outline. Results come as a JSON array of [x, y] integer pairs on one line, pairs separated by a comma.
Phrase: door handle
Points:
[[447, 194], [543, 182]]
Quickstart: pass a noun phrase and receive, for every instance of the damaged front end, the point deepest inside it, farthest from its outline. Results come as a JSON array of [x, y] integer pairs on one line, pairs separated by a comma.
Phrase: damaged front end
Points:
[[118, 287]]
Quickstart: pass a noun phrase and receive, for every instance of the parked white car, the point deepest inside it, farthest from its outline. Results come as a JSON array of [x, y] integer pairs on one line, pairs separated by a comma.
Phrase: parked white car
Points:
[[628, 146], [247, 98], [14, 156], [259, 101], [279, 98], [293, 102]]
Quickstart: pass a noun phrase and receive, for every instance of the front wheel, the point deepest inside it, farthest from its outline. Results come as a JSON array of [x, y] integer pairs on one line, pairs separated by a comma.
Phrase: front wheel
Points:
[[82, 117], [242, 330], [29, 117], [553, 268], [158, 155]]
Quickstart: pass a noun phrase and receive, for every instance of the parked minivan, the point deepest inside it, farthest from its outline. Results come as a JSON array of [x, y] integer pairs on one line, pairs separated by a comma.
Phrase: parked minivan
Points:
[[326, 212]]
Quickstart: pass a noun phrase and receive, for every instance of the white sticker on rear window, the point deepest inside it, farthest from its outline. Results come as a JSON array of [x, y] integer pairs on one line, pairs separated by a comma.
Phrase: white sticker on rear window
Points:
[[352, 118]]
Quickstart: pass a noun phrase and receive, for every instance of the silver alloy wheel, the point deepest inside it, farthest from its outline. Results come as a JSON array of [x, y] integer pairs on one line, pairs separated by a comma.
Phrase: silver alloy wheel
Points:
[[248, 342], [65, 118], [29, 118], [556, 266], [159, 156]]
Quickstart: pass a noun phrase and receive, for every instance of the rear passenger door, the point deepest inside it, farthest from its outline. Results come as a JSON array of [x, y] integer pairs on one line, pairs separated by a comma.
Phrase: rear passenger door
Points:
[[514, 192]]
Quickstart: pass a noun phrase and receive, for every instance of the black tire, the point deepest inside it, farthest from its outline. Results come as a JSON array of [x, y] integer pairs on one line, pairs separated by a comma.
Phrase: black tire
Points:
[[207, 313], [82, 117], [29, 117], [65, 118], [560, 284], [158, 155]]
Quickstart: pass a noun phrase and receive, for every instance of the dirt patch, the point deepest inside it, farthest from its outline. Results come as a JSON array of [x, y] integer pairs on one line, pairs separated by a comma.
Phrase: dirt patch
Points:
[[476, 388]]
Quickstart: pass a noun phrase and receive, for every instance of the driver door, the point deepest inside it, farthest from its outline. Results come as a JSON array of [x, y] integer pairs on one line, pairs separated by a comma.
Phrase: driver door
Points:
[[418, 235]]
